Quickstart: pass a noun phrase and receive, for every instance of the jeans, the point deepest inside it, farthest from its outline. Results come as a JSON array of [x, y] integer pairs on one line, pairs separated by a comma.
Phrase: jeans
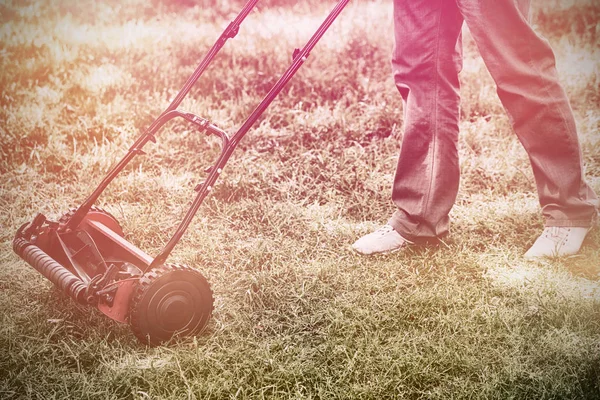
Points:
[[426, 62]]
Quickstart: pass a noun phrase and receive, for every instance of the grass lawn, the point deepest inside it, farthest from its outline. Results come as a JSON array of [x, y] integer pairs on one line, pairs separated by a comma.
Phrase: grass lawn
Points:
[[297, 313]]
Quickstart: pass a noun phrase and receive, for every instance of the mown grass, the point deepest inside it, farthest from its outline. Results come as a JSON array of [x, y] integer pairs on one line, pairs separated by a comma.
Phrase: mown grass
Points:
[[297, 313]]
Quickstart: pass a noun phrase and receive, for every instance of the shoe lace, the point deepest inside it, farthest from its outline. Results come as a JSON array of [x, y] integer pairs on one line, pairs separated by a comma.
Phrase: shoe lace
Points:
[[384, 230]]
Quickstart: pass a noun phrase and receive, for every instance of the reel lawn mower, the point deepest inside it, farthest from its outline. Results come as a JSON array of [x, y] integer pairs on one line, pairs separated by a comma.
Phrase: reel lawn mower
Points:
[[86, 255]]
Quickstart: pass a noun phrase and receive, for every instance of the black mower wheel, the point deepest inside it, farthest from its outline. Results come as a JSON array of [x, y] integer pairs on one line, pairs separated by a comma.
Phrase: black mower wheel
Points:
[[97, 214], [170, 300]]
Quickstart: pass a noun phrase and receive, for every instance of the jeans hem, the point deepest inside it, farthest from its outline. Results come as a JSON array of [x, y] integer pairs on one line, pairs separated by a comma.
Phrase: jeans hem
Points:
[[414, 238]]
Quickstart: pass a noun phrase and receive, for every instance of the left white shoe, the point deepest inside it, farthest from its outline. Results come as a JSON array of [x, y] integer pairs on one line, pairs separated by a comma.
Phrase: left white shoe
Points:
[[383, 240], [558, 241]]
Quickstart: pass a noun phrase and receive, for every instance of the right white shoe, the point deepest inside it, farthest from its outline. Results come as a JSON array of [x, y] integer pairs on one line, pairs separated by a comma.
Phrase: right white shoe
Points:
[[557, 241], [383, 240]]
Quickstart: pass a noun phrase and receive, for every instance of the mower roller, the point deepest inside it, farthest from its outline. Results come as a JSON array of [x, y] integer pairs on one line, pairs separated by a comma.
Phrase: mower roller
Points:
[[86, 255]]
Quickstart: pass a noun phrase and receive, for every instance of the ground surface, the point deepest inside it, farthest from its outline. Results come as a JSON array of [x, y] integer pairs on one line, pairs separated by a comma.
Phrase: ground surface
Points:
[[297, 313]]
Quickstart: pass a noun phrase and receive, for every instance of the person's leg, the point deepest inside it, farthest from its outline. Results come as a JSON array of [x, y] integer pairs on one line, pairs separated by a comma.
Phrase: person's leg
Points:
[[426, 61], [523, 67]]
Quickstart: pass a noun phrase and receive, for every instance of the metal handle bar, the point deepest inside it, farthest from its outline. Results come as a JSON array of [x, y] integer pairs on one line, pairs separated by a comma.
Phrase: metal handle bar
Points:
[[228, 145], [298, 60], [230, 32]]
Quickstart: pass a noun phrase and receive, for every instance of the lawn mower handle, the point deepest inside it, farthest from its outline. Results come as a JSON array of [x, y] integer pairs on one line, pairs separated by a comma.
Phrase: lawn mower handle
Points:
[[228, 145], [229, 33]]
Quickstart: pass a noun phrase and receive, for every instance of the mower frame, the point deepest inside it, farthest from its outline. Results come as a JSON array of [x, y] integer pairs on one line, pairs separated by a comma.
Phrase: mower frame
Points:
[[86, 255]]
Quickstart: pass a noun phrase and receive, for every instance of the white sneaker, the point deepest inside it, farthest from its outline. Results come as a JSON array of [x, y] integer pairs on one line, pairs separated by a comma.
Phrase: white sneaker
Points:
[[558, 241], [383, 240]]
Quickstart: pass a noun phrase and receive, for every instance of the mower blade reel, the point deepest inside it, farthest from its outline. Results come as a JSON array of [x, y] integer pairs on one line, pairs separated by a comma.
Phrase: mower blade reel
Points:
[[64, 279]]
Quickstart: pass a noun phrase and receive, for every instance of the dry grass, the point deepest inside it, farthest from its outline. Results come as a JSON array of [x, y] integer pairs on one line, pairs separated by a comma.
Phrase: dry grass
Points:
[[298, 315]]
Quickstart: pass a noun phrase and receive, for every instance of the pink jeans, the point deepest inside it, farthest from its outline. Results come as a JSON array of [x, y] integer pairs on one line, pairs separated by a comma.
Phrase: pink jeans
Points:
[[426, 62]]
